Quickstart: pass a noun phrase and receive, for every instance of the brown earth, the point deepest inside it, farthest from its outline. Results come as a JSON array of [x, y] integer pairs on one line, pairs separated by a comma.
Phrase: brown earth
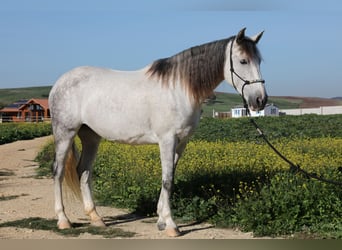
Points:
[[22, 196], [312, 102]]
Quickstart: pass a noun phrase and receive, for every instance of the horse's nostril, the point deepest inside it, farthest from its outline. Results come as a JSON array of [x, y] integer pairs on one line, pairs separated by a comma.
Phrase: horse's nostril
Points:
[[261, 102]]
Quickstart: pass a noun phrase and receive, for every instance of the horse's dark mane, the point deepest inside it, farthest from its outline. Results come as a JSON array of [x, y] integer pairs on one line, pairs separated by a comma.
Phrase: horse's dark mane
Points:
[[200, 68]]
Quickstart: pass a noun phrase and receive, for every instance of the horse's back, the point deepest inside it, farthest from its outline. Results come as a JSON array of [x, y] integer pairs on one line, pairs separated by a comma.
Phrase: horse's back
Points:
[[78, 89], [121, 105], [82, 83], [82, 76]]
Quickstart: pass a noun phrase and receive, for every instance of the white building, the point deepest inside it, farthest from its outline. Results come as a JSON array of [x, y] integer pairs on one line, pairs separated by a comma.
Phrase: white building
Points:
[[327, 110], [269, 110]]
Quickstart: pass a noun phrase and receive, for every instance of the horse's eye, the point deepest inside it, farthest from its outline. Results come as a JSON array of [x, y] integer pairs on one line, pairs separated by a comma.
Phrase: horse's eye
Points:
[[243, 61]]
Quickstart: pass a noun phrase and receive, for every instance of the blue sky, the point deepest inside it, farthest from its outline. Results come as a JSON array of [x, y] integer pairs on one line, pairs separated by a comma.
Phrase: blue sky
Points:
[[41, 39]]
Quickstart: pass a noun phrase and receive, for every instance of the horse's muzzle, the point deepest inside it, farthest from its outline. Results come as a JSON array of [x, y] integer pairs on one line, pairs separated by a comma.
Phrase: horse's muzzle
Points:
[[258, 103]]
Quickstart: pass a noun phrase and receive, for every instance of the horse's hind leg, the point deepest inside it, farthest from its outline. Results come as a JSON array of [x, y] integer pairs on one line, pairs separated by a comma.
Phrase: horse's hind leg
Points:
[[62, 147], [90, 142]]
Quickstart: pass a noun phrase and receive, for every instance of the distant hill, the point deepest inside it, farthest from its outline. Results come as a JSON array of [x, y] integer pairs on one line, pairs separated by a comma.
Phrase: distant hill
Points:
[[223, 102], [312, 102], [8, 96], [219, 102]]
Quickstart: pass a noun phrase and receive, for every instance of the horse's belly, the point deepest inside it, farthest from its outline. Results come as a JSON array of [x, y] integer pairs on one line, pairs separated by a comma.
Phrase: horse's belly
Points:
[[135, 140], [124, 130], [140, 131]]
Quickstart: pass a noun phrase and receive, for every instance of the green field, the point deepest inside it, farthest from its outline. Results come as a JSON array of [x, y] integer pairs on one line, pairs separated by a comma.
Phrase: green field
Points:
[[229, 177], [8, 96]]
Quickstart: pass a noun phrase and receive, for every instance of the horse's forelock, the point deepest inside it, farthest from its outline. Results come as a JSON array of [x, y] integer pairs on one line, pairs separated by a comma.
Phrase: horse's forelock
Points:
[[249, 47]]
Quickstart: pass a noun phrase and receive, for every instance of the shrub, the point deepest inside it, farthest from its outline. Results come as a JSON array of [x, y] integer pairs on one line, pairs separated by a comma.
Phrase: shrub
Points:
[[290, 204], [10, 132], [127, 176], [45, 158]]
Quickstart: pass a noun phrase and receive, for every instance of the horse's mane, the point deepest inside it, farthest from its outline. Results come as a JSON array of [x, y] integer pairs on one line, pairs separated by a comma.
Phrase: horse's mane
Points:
[[199, 68]]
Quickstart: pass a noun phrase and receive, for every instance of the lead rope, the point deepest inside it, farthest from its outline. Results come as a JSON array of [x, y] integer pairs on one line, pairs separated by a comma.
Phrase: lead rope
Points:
[[294, 168]]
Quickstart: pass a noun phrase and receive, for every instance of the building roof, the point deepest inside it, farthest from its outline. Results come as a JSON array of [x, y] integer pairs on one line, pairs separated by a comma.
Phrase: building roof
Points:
[[14, 107], [22, 104], [44, 103], [9, 110]]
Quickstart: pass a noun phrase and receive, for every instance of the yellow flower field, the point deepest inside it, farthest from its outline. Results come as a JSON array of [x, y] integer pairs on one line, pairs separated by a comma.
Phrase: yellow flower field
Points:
[[314, 155], [124, 173]]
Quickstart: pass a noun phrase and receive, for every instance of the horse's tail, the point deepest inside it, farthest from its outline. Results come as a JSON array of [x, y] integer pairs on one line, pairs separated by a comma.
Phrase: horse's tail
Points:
[[71, 178]]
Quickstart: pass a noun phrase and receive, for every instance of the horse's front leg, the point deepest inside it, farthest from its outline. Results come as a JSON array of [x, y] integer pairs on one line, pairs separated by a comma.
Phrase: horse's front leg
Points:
[[167, 155]]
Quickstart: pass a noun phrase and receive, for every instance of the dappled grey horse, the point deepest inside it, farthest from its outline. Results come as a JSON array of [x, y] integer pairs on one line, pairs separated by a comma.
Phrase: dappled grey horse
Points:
[[159, 104]]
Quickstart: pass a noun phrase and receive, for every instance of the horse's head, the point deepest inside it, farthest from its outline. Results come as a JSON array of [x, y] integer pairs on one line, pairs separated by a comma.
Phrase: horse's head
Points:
[[242, 70]]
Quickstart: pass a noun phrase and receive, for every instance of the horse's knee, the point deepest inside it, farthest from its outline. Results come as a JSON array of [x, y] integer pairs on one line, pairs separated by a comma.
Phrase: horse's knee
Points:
[[167, 184]]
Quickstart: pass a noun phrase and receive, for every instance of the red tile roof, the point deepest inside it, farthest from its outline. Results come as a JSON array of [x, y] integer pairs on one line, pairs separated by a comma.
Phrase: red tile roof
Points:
[[13, 108], [42, 102]]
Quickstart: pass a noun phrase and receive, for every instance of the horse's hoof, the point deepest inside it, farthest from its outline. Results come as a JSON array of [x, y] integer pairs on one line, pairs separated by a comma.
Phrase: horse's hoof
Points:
[[98, 223], [172, 232], [64, 225]]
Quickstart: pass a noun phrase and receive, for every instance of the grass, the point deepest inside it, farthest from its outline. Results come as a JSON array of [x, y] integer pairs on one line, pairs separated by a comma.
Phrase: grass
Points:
[[8, 96], [285, 103], [11, 197], [7, 198], [224, 102], [37, 223], [6, 173]]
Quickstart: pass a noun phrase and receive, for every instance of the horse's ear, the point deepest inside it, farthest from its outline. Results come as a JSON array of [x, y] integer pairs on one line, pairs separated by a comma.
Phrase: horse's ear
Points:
[[240, 36], [257, 37]]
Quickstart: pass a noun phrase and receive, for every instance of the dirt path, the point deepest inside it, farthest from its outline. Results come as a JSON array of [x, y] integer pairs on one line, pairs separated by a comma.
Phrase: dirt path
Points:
[[23, 196]]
